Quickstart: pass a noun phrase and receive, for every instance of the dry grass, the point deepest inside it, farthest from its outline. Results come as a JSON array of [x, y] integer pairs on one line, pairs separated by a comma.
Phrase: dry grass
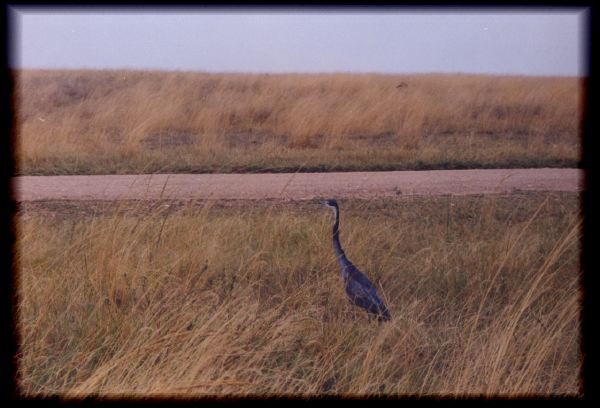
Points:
[[196, 299], [139, 121]]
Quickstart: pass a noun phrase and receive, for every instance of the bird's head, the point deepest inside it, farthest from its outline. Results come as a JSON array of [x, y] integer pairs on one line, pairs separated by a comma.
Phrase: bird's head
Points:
[[331, 204]]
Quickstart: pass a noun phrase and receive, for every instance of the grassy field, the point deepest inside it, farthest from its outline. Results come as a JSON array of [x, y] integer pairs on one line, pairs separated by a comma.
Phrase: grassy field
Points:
[[106, 122], [209, 298]]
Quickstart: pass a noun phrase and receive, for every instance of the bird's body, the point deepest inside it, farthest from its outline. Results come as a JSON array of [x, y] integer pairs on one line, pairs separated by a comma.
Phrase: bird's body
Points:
[[359, 289]]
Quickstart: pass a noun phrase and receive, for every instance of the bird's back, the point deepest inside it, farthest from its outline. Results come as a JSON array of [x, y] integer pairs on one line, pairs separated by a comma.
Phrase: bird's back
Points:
[[362, 293]]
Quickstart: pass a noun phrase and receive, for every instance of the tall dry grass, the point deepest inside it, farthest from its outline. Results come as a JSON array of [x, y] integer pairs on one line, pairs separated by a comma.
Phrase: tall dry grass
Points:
[[196, 300], [142, 121]]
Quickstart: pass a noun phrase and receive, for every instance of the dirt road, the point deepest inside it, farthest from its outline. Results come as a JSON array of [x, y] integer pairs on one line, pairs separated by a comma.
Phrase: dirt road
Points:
[[299, 186]]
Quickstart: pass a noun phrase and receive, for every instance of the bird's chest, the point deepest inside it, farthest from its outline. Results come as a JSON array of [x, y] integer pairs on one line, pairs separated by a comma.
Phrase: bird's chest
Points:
[[346, 272]]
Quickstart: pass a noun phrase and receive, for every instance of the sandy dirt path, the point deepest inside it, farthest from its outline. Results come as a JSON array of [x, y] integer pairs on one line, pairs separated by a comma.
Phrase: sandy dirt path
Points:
[[295, 186]]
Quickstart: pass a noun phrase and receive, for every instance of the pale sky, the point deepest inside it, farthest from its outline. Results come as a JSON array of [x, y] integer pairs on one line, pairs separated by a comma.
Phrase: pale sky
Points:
[[536, 41]]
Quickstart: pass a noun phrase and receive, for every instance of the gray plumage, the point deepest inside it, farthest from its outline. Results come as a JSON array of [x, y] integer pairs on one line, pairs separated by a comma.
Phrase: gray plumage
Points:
[[359, 289]]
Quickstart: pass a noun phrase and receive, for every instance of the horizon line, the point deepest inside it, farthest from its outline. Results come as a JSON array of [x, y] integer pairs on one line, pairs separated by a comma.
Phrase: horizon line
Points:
[[275, 73]]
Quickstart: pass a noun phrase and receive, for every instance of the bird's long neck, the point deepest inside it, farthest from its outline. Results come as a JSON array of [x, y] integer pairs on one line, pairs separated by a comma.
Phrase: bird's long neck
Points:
[[337, 247]]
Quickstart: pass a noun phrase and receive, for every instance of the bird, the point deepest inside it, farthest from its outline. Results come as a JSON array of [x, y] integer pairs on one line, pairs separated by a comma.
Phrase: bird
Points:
[[359, 289]]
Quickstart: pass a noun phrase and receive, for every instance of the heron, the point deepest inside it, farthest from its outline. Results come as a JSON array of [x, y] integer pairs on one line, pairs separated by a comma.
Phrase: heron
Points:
[[359, 289]]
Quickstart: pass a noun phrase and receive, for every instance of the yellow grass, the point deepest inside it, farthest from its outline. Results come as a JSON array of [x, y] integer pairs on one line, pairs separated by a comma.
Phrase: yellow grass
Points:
[[143, 121], [198, 299]]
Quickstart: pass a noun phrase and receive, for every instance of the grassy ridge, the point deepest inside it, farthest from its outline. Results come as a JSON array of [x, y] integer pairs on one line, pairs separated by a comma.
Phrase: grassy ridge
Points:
[[184, 299], [95, 122]]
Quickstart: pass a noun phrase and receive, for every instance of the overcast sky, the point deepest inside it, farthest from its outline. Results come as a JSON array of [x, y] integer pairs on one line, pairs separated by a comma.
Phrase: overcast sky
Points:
[[391, 40]]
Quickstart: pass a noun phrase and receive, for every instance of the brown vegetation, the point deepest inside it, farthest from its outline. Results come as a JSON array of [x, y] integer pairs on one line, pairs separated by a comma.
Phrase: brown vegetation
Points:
[[198, 298], [139, 121]]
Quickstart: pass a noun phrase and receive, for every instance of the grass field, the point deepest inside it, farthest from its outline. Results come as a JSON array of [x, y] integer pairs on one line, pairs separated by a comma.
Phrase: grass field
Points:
[[208, 298], [106, 122]]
